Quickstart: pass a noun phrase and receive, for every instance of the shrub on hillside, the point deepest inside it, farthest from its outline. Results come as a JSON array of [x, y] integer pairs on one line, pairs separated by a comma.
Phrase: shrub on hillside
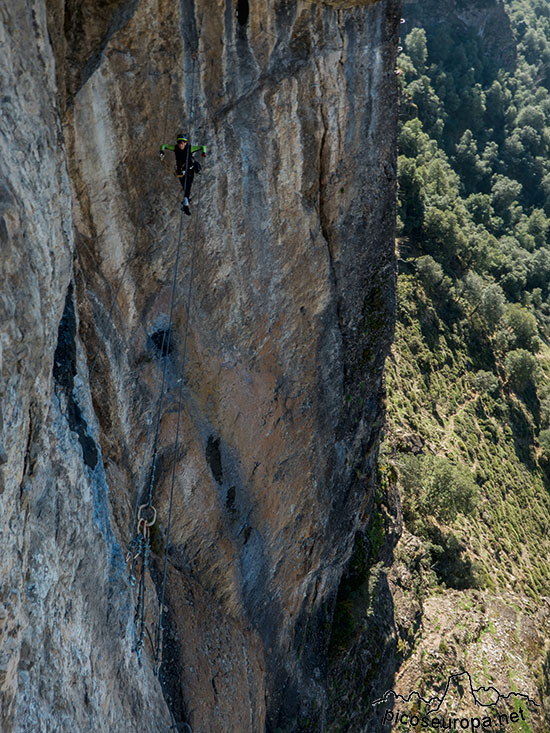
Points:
[[524, 328], [471, 288], [492, 304], [429, 271], [521, 369], [435, 487], [450, 490], [485, 382], [417, 48]]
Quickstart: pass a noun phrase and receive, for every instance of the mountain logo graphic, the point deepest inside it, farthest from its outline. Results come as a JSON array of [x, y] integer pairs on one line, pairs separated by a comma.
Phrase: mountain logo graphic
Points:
[[478, 693]]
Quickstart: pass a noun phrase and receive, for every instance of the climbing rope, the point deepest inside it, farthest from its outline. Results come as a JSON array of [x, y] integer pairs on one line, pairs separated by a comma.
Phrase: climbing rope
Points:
[[145, 513], [142, 538], [168, 334], [163, 350], [179, 727], [159, 644], [168, 331]]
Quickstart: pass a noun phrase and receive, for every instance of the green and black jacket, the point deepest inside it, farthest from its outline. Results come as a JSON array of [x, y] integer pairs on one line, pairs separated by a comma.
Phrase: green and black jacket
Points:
[[183, 157]]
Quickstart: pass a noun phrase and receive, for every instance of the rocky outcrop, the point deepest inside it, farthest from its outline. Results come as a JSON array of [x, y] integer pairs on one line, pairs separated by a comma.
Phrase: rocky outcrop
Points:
[[487, 19], [290, 319]]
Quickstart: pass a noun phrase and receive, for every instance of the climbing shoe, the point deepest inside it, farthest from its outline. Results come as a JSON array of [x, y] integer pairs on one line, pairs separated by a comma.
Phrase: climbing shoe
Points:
[[185, 206]]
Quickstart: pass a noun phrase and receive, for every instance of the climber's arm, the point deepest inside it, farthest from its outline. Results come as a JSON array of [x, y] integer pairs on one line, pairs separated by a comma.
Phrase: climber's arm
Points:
[[166, 147]]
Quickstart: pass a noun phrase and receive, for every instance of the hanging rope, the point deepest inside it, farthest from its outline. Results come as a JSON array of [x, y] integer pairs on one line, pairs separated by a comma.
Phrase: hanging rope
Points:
[[145, 520], [168, 334], [179, 727], [159, 645], [146, 513], [162, 351]]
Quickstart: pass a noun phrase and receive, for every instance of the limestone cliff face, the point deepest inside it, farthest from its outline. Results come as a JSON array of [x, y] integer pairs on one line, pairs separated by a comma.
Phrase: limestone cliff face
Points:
[[290, 321]]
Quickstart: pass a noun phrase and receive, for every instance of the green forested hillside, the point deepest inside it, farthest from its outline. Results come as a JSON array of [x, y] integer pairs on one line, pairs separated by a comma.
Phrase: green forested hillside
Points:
[[468, 387], [453, 570]]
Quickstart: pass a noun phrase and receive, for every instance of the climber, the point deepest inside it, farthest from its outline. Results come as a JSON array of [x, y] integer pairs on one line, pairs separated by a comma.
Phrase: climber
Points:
[[186, 165]]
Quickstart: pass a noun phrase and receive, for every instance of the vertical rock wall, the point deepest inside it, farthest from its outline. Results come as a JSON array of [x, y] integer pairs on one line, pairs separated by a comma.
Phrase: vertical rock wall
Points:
[[65, 608], [290, 320]]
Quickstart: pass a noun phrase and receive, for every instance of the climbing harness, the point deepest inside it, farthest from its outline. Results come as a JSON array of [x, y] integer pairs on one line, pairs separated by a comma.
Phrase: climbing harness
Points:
[[172, 170]]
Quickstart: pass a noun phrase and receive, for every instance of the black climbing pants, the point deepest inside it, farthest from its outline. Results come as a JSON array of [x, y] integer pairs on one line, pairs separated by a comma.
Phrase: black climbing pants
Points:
[[187, 181]]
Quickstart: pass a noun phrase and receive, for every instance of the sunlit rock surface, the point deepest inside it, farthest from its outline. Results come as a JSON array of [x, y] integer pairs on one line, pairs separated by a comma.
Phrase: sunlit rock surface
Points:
[[291, 317]]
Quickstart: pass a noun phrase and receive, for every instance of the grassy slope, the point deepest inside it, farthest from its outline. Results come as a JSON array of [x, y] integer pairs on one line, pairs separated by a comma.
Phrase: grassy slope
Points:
[[431, 395]]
